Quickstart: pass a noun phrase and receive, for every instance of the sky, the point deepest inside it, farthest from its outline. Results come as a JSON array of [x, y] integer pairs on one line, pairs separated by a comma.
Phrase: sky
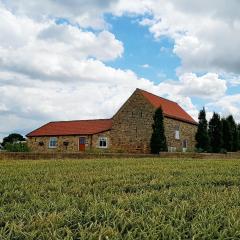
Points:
[[81, 59]]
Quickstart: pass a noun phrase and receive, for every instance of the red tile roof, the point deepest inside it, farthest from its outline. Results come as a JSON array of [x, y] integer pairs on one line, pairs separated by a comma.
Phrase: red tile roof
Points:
[[170, 109], [88, 127], [78, 127]]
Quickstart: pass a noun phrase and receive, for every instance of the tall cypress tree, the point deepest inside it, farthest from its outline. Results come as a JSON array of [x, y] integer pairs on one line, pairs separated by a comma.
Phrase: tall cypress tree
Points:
[[158, 140], [215, 133], [234, 133], [236, 140], [202, 137], [238, 136], [227, 135]]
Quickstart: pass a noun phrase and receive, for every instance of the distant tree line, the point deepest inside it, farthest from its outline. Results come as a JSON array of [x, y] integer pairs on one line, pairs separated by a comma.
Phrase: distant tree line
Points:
[[219, 135]]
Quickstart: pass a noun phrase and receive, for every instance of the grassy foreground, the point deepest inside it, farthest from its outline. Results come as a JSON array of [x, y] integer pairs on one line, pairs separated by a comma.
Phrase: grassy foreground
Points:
[[120, 199]]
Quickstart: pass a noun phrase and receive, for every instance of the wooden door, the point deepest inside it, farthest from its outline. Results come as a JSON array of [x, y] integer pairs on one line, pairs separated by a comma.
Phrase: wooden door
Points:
[[82, 142]]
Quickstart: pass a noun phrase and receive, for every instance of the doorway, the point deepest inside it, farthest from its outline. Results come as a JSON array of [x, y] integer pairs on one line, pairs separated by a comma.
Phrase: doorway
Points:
[[82, 143]]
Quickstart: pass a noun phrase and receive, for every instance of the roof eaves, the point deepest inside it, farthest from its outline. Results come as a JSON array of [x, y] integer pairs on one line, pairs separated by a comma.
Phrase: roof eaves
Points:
[[181, 119], [28, 135]]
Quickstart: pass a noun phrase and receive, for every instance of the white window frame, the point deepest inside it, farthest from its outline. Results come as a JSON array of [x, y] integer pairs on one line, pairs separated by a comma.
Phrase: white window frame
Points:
[[177, 133], [183, 143], [102, 139], [50, 141]]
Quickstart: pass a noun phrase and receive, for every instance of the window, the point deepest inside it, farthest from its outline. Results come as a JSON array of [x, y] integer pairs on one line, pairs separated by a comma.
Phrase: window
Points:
[[185, 143], [177, 132], [103, 142], [53, 142]]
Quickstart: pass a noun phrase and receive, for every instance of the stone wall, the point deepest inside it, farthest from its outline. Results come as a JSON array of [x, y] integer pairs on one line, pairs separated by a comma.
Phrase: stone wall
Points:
[[187, 132], [95, 140], [132, 125], [132, 128], [73, 143]]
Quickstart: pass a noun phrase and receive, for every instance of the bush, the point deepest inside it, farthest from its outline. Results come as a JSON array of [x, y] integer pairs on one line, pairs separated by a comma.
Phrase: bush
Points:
[[16, 147], [223, 150], [199, 150]]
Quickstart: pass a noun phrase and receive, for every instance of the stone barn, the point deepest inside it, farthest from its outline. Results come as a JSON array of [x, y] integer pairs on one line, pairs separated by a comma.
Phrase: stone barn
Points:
[[129, 130]]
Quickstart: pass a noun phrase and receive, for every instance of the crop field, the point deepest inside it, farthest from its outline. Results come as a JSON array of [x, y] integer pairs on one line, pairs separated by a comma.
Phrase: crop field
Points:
[[120, 199]]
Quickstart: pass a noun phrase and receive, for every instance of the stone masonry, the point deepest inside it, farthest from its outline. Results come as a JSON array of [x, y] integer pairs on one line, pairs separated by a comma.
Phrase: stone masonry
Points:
[[41, 144], [132, 127]]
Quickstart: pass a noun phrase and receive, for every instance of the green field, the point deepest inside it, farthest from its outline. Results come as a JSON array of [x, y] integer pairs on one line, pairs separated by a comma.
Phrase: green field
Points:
[[120, 199]]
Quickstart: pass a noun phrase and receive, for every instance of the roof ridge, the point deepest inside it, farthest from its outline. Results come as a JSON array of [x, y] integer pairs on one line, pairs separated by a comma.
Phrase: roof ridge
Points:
[[157, 96], [80, 120], [158, 101]]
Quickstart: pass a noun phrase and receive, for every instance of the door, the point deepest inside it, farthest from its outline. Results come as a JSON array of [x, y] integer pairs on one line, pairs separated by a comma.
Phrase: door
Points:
[[82, 142]]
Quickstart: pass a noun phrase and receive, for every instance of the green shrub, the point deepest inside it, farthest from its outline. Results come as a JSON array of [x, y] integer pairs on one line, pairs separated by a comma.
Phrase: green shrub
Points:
[[17, 147], [223, 150]]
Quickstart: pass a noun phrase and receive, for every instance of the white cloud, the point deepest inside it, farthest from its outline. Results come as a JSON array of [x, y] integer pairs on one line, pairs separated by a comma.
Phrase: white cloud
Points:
[[85, 13], [228, 105], [49, 51], [235, 80], [206, 33], [206, 86], [145, 66]]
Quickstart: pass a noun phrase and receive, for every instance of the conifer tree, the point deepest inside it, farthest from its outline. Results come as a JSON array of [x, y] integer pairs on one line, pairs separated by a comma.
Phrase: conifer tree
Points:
[[202, 137], [215, 133], [227, 135], [236, 140], [158, 140], [238, 127], [234, 133]]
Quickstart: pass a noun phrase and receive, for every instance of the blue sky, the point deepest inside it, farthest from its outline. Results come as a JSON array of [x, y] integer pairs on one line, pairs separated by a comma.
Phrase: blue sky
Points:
[[67, 60], [142, 49], [149, 57]]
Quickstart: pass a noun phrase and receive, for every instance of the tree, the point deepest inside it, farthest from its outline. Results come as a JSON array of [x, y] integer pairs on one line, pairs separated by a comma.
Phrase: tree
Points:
[[215, 133], [12, 138], [233, 132], [158, 140], [236, 141], [227, 135], [238, 136], [202, 137]]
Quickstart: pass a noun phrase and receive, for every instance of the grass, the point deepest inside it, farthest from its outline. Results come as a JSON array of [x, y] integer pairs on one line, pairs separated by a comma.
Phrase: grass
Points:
[[120, 199]]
